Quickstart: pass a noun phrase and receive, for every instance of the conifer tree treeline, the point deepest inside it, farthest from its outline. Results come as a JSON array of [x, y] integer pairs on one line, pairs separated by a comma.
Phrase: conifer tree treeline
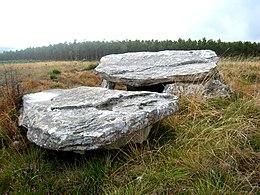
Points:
[[94, 50]]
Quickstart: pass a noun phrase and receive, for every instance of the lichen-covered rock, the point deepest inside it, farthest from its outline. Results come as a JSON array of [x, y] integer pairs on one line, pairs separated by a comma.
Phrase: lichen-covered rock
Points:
[[151, 68], [210, 89], [184, 89], [87, 118]]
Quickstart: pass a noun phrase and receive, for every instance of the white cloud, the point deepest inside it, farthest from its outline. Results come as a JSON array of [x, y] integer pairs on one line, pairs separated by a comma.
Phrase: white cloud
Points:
[[36, 23], [231, 21]]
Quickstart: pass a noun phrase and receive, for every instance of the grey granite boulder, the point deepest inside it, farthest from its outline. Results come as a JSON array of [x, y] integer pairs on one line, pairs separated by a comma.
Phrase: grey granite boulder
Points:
[[88, 118], [189, 73], [151, 68], [211, 88]]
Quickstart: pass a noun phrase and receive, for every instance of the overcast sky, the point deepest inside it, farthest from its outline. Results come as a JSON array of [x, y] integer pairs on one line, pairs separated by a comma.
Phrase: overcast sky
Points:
[[31, 23]]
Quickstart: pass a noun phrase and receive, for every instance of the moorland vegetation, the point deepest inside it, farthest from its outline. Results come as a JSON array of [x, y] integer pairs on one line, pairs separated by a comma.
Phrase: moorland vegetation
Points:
[[209, 147]]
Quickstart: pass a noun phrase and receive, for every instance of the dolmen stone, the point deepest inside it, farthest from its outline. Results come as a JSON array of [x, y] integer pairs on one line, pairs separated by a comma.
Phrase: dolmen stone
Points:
[[87, 118], [212, 88], [152, 71], [150, 68]]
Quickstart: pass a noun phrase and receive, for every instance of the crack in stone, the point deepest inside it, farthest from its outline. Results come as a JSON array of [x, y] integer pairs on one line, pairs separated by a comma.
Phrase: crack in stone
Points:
[[106, 105], [68, 107]]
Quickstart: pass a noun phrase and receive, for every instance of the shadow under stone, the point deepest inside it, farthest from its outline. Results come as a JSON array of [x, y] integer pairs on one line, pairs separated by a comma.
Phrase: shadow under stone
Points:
[[153, 88]]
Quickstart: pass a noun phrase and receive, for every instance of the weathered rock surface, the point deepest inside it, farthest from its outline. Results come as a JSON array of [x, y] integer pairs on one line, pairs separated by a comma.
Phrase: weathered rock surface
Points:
[[151, 68], [211, 88], [87, 118]]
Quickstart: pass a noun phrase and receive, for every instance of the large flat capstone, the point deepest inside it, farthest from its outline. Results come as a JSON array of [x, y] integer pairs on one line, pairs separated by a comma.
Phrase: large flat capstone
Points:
[[87, 118], [151, 68]]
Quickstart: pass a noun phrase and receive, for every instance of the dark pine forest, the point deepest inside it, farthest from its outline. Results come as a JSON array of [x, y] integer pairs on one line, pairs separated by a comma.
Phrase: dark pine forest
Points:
[[94, 50]]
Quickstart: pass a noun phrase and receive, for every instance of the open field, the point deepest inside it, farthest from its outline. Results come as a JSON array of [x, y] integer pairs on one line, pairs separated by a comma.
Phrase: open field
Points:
[[242, 75], [37, 76], [208, 147]]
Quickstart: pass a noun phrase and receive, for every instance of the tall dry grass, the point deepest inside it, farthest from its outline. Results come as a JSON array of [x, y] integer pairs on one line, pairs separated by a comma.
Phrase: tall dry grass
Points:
[[36, 76], [242, 75], [10, 103]]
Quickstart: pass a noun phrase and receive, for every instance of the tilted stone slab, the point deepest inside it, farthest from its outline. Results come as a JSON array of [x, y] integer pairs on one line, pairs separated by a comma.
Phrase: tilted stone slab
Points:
[[151, 68], [87, 118]]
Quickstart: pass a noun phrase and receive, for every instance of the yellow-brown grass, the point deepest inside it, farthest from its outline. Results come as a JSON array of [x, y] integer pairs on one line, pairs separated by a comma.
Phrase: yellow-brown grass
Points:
[[243, 76], [35, 70], [36, 76]]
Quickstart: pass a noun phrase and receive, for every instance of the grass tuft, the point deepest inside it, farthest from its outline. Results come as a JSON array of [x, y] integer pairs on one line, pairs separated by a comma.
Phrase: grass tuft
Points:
[[10, 103], [90, 66], [56, 71]]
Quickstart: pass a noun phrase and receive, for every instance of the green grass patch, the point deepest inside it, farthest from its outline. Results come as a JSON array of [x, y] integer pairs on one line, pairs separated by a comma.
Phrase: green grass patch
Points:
[[54, 74], [26, 173], [55, 71], [56, 85], [90, 66]]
